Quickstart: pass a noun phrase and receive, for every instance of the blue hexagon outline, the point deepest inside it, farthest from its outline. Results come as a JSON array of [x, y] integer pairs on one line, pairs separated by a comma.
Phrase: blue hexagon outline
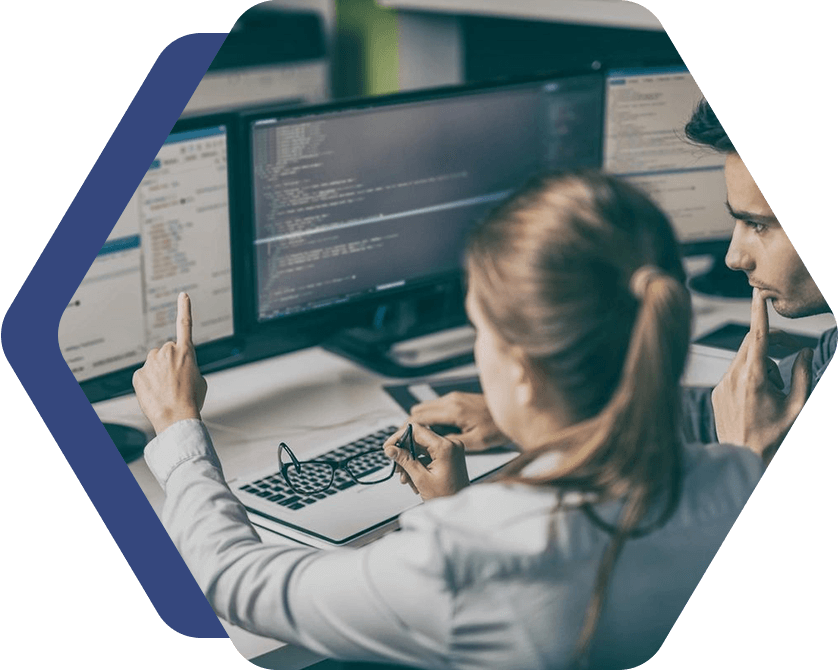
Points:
[[30, 336]]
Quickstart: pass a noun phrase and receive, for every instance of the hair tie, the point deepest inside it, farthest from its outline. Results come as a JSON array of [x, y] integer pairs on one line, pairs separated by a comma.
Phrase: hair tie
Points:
[[641, 279]]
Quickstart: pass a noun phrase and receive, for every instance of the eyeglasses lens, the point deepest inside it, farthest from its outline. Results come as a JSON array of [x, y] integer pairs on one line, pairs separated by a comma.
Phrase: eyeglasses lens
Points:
[[371, 467], [312, 477]]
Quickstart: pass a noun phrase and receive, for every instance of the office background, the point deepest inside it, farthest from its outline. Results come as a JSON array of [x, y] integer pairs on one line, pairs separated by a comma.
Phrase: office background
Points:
[[384, 47]]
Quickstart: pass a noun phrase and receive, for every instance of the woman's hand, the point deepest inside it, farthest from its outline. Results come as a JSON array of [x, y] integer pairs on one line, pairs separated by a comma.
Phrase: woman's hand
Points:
[[466, 411], [440, 467], [169, 386]]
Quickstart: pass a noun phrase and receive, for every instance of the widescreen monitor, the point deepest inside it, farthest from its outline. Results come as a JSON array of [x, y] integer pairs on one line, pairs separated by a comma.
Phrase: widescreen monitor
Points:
[[358, 200]]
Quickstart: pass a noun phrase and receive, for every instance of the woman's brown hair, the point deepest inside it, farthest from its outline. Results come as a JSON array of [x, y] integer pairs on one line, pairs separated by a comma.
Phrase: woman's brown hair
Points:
[[582, 273]]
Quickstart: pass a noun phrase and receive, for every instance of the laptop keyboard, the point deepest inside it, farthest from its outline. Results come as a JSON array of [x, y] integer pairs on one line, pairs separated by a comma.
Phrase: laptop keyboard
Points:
[[275, 489]]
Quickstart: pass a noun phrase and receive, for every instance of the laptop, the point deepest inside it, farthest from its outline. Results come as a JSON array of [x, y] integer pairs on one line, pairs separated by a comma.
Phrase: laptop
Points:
[[347, 513]]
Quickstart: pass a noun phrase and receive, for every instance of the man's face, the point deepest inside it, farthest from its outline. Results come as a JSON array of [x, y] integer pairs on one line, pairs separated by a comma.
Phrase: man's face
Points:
[[760, 248]]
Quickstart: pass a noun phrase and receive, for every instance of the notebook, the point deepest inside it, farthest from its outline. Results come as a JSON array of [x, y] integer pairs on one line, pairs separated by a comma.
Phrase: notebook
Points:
[[348, 513]]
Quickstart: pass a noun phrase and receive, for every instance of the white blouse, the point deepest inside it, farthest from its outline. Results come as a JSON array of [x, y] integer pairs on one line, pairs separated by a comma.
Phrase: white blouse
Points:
[[495, 576]]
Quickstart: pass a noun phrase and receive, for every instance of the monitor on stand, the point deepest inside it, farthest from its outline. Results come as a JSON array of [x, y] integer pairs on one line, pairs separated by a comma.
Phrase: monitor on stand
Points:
[[174, 235], [644, 141], [358, 204]]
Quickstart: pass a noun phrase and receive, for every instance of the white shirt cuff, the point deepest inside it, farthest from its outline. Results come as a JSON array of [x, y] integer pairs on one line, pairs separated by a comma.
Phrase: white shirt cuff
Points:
[[183, 441]]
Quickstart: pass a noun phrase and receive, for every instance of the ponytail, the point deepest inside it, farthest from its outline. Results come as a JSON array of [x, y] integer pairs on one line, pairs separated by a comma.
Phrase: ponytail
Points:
[[626, 443], [582, 273], [642, 419], [631, 449]]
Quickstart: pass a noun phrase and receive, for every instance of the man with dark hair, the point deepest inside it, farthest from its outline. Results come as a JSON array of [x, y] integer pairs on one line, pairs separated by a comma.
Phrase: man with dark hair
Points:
[[756, 402], [704, 128]]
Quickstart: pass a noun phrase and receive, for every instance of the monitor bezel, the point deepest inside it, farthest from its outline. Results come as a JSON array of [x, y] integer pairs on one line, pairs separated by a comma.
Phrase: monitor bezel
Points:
[[219, 353]]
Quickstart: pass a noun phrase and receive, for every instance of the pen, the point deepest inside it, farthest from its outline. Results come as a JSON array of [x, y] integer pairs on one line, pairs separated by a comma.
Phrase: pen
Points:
[[407, 441]]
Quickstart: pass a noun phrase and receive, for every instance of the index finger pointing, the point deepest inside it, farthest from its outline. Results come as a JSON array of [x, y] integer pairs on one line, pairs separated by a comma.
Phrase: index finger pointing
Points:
[[184, 321], [759, 327]]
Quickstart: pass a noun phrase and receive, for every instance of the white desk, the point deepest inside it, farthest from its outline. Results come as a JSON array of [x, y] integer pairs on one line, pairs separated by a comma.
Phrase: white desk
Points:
[[312, 395]]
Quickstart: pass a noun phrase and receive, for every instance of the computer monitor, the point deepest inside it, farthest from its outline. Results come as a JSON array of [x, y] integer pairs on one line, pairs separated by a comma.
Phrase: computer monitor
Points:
[[644, 142], [359, 200], [174, 235]]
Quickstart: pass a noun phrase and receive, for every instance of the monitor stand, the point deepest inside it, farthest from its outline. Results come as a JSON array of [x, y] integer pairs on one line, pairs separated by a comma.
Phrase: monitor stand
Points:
[[415, 357], [722, 282], [130, 442]]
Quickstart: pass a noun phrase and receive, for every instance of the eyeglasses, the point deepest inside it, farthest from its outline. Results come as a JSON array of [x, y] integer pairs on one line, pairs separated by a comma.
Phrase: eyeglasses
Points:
[[310, 477]]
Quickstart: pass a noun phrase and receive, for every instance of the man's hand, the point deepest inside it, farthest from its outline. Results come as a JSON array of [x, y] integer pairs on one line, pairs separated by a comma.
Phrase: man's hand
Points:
[[466, 411], [444, 475], [169, 386], [750, 407]]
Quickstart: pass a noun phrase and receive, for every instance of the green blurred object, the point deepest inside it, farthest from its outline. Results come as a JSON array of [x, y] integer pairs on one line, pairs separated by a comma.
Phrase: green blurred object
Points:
[[366, 58]]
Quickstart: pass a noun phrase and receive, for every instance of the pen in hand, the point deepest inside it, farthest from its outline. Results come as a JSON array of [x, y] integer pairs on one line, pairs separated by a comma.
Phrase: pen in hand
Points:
[[407, 441]]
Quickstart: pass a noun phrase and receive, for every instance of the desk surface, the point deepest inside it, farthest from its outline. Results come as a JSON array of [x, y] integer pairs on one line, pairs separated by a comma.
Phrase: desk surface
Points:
[[312, 395]]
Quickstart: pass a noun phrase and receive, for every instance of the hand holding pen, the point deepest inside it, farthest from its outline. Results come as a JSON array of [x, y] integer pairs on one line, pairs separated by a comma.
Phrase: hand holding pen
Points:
[[432, 465]]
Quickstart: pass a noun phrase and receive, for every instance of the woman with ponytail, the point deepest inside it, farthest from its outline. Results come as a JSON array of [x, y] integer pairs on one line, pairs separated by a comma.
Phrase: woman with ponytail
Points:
[[584, 550]]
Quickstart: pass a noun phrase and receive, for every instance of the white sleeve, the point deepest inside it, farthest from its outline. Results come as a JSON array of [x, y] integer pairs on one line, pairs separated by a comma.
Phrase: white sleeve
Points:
[[390, 601]]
